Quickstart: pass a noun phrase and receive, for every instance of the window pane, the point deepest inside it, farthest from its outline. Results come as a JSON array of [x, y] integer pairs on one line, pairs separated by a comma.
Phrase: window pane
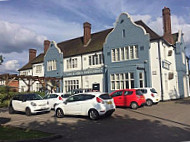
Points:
[[126, 76], [126, 84], [122, 53], [132, 75], [132, 84], [126, 53], [136, 52], [131, 52]]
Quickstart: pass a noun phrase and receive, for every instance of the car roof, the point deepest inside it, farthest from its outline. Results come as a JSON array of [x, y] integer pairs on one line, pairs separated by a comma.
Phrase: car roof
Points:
[[92, 93]]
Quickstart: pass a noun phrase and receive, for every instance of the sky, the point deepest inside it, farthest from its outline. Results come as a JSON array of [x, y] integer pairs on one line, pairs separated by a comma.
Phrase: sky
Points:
[[25, 24]]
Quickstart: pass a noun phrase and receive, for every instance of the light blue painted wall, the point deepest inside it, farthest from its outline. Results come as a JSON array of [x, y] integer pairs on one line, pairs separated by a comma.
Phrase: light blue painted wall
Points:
[[180, 67], [135, 35], [53, 53]]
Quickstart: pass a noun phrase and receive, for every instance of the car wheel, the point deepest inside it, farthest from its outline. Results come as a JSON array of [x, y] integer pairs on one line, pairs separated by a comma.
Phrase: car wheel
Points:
[[11, 110], [134, 105], [93, 114], [149, 102], [59, 113], [28, 111]]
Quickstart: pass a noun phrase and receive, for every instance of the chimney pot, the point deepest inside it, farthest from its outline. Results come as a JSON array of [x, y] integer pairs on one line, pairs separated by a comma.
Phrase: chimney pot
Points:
[[87, 33], [46, 45], [32, 54]]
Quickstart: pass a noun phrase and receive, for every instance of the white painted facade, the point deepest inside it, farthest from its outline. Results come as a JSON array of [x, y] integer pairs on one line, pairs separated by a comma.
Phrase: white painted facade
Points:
[[166, 72]]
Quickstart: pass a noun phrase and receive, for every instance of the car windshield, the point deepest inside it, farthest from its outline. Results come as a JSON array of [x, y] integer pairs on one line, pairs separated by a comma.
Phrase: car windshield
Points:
[[138, 92], [65, 95], [153, 90], [105, 96], [33, 97]]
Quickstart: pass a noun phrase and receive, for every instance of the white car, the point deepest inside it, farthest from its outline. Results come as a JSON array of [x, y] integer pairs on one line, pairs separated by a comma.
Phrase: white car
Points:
[[92, 104], [28, 103], [56, 98], [150, 95]]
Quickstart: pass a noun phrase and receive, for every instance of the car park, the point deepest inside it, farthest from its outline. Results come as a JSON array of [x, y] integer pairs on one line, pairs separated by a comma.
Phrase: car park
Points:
[[128, 98], [150, 95], [55, 98], [91, 104], [28, 103]]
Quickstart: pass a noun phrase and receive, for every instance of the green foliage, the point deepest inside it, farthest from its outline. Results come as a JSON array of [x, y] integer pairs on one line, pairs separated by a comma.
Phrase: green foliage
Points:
[[10, 133]]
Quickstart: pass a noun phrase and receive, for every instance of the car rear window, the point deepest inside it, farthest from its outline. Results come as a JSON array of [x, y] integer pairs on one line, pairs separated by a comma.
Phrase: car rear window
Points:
[[138, 92], [153, 90], [144, 91], [105, 96]]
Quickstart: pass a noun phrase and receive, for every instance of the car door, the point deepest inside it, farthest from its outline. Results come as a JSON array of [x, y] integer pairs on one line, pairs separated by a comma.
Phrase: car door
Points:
[[118, 98], [16, 103], [53, 99], [129, 97], [73, 105], [19, 104]]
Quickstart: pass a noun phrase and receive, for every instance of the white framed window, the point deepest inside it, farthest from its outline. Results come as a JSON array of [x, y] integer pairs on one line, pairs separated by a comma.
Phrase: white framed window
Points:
[[125, 53], [51, 65], [141, 79], [71, 84], [71, 63], [38, 86], [95, 59], [38, 68], [122, 81]]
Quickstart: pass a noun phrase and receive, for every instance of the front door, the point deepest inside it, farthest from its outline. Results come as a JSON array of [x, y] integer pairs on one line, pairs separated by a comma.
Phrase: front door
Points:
[[96, 87]]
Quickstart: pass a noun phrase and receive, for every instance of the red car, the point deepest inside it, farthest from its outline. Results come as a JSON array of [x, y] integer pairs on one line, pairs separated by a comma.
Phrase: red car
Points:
[[128, 97]]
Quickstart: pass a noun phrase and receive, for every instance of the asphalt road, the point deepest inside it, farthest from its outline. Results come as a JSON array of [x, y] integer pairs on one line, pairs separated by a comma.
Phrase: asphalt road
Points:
[[166, 122]]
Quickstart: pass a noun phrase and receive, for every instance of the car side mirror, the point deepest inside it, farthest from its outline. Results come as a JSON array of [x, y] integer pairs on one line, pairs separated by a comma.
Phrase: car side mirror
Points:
[[65, 102]]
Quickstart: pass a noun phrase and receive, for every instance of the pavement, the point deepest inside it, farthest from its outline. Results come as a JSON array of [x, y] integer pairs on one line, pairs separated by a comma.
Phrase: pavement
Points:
[[166, 122]]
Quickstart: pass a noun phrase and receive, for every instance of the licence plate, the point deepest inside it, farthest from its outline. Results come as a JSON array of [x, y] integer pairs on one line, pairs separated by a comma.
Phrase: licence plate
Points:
[[109, 102]]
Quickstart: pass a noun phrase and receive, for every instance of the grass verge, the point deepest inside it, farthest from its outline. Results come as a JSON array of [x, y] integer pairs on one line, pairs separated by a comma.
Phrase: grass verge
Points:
[[12, 133]]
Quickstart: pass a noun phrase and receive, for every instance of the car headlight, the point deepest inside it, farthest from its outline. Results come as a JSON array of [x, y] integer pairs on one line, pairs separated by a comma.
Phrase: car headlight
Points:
[[33, 104]]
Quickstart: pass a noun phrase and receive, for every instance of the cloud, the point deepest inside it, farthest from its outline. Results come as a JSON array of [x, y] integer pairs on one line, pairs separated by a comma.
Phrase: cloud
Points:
[[10, 66], [15, 38]]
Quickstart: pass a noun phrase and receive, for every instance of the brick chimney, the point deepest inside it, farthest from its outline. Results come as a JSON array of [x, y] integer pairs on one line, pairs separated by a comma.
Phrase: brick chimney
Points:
[[87, 33], [46, 45], [167, 25], [32, 54]]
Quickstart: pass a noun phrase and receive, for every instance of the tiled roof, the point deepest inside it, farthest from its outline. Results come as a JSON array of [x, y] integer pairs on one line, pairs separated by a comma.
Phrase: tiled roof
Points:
[[152, 34], [38, 59], [75, 46]]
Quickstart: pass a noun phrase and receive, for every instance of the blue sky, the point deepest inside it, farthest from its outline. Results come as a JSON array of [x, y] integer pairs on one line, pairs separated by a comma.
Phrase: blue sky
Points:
[[25, 24]]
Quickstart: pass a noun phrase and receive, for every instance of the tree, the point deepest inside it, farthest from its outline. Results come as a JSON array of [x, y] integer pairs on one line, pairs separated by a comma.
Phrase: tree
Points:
[[1, 59]]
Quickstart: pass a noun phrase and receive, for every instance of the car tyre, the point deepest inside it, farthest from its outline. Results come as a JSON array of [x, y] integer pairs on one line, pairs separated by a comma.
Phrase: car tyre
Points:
[[11, 110], [134, 105], [59, 113], [28, 111], [149, 102], [93, 114]]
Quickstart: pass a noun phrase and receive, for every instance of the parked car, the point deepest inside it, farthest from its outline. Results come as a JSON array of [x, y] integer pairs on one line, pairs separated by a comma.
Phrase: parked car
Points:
[[92, 104], [28, 103], [150, 95], [77, 91], [56, 98], [128, 98]]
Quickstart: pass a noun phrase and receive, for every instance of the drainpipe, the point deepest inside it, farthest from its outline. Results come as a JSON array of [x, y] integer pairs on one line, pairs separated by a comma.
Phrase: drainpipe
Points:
[[160, 64]]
